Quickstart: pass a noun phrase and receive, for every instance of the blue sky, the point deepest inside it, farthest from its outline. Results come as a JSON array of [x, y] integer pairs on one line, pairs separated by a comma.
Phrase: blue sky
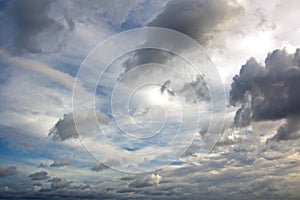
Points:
[[90, 109]]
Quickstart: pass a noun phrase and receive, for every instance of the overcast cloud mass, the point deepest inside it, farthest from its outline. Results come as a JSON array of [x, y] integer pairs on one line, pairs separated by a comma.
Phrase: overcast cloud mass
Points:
[[74, 124]]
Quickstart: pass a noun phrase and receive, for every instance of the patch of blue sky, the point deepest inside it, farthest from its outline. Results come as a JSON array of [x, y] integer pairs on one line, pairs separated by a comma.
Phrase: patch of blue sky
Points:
[[68, 68], [154, 164], [5, 152], [178, 163], [18, 148], [131, 149], [103, 91], [125, 139]]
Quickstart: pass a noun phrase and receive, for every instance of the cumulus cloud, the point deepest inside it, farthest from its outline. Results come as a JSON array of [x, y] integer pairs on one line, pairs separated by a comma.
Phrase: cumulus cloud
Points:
[[60, 163], [149, 180], [59, 183], [7, 171], [66, 128], [36, 187], [42, 175], [270, 92]]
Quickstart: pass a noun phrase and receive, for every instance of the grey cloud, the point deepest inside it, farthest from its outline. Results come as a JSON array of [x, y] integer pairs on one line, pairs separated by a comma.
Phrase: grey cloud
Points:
[[144, 56], [65, 128], [7, 171], [199, 19], [99, 167], [37, 187], [42, 165], [149, 180], [164, 88], [289, 130], [37, 28], [59, 183], [203, 20], [270, 92], [60, 163], [109, 163], [42, 175], [196, 89], [45, 26]]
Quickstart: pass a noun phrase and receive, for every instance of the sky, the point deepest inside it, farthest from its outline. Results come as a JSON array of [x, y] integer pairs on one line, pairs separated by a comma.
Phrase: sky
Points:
[[165, 99]]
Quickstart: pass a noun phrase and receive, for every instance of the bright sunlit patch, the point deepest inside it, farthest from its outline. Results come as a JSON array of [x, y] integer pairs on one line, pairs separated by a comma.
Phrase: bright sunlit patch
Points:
[[288, 47], [261, 41], [155, 96]]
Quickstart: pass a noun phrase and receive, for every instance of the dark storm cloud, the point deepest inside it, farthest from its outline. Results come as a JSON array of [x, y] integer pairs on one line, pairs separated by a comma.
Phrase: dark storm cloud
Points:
[[35, 26], [42, 175], [7, 171], [270, 92]]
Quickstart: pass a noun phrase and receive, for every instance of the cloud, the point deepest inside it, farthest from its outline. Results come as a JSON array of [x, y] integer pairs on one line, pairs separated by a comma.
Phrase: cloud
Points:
[[38, 67], [42, 175], [59, 183], [99, 167], [270, 92], [7, 171], [149, 180], [66, 128], [36, 187], [60, 163], [200, 19], [42, 165], [37, 28], [109, 163], [289, 130], [5, 188], [50, 26], [196, 90]]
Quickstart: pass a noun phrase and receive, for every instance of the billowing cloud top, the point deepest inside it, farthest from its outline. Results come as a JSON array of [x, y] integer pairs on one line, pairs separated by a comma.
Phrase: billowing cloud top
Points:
[[270, 92]]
